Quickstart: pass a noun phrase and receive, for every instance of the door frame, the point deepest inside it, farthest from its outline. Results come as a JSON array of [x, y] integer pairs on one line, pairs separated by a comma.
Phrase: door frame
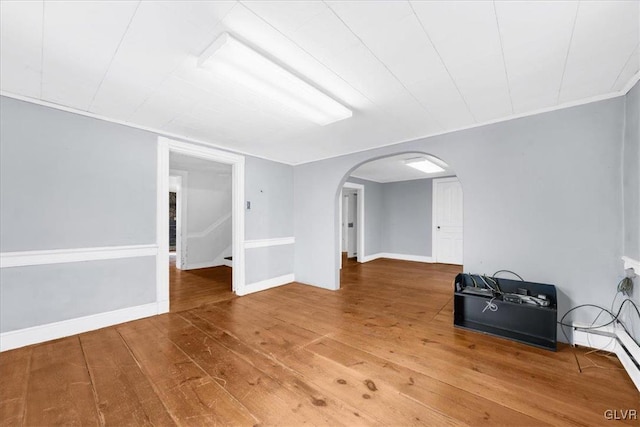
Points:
[[181, 217], [360, 208], [434, 210], [165, 147]]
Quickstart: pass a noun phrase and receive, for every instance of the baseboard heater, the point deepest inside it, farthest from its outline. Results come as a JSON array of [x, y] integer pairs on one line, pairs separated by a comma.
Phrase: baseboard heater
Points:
[[615, 340]]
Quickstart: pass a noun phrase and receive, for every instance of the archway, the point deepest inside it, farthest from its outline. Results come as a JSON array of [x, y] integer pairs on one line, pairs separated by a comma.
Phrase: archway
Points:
[[412, 212]]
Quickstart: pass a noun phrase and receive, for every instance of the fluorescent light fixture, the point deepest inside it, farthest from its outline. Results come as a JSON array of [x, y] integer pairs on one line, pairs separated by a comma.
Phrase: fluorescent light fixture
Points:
[[237, 61], [423, 165]]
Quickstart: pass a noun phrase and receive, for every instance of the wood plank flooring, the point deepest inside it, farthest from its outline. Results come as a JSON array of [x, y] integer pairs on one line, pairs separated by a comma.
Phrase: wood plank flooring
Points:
[[381, 351], [191, 288]]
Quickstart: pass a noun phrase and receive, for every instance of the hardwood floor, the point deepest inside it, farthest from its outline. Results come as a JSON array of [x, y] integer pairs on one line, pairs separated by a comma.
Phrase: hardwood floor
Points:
[[381, 351], [192, 288]]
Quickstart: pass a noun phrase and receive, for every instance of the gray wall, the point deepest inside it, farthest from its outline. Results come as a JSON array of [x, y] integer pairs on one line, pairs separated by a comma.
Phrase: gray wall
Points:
[[269, 188], [631, 174], [407, 214], [542, 196], [41, 294], [397, 216], [269, 262], [70, 181]]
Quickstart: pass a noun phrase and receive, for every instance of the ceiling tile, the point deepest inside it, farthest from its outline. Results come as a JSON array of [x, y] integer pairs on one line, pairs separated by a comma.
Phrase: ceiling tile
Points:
[[535, 54], [172, 98], [21, 47], [409, 63], [80, 41], [161, 36], [605, 35], [325, 35], [287, 16], [366, 17], [630, 69], [466, 36]]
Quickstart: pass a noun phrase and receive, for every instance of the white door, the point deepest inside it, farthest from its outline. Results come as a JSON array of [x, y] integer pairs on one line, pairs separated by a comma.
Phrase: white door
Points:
[[447, 216], [352, 226]]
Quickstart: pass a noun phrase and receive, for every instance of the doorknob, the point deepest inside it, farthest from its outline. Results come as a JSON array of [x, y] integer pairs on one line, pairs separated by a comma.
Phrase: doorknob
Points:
[[438, 227]]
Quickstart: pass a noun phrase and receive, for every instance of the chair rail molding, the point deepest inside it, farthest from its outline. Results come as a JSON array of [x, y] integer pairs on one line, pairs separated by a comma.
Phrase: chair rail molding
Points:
[[263, 243], [60, 256]]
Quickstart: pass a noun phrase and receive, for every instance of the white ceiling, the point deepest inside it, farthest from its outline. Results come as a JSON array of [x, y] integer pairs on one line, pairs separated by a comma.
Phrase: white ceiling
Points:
[[406, 69], [393, 168]]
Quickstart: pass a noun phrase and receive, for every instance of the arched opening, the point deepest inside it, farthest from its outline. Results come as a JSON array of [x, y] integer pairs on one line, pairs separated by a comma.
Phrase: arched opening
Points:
[[406, 206]]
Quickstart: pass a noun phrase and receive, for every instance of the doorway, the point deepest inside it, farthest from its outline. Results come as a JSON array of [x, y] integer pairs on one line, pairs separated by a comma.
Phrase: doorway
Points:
[[447, 221], [352, 210], [199, 273], [232, 221]]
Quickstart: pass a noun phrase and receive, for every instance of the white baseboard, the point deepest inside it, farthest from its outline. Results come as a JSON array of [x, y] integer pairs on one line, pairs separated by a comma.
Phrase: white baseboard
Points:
[[267, 284], [402, 257], [227, 263], [37, 334], [207, 264], [623, 347]]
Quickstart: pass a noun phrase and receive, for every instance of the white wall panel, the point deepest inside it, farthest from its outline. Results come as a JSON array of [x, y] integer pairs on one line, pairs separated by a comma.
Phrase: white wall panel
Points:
[[21, 47], [81, 39], [605, 35], [535, 54]]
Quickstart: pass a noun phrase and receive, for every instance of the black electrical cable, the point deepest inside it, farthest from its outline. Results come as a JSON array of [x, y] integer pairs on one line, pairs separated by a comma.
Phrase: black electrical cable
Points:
[[614, 318], [508, 271]]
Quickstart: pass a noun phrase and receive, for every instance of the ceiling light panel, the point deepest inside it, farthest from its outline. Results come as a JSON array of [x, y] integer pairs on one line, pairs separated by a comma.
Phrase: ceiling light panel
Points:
[[271, 23], [234, 60], [424, 165]]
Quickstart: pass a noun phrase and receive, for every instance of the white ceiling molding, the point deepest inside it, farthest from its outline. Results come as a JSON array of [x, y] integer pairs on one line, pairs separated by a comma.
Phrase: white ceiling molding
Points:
[[407, 69], [160, 132]]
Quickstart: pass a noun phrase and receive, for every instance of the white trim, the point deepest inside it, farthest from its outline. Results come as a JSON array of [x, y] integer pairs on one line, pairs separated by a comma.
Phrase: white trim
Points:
[[634, 79], [227, 263], [182, 212], [263, 243], [563, 106], [434, 210], [209, 229], [59, 256], [401, 257], [619, 346], [360, 208], [631, 263], [162, 223], [165, 146], [159, 132], [36, 334], [268, 284]]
